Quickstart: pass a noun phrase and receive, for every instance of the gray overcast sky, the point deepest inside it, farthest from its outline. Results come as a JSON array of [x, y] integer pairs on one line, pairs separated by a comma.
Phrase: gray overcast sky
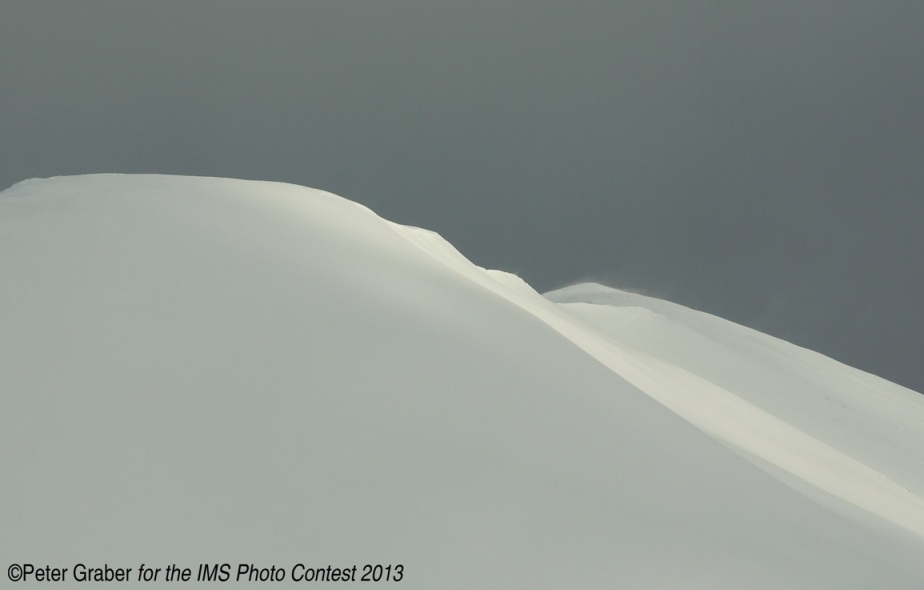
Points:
[[760, 160]]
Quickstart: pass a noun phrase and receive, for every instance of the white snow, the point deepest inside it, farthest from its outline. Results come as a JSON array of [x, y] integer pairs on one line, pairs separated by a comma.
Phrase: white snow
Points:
[[200, 370]]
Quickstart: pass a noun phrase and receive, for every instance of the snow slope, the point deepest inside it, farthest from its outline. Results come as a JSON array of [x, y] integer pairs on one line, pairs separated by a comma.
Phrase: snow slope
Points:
[[199, 370]]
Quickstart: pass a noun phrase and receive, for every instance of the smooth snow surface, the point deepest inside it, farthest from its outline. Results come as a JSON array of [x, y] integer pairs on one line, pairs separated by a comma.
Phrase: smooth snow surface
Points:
[[202, 370]]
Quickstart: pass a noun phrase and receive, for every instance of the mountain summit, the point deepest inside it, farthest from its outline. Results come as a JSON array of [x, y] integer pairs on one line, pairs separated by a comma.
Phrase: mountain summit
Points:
[[213, 371]]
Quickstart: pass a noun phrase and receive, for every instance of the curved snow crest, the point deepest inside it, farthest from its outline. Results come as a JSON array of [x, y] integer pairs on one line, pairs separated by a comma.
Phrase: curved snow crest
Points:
[[605, 323], [360, 387]]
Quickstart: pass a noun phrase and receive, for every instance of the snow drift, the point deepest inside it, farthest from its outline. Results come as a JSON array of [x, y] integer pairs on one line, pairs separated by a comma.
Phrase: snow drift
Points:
[[202, 370]]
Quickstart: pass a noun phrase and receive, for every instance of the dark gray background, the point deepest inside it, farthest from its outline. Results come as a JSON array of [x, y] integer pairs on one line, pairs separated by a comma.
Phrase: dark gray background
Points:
[[760, 160]]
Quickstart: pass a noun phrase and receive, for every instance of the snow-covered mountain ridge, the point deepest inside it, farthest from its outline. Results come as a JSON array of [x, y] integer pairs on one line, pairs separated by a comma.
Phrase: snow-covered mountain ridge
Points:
[[200, 369]]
